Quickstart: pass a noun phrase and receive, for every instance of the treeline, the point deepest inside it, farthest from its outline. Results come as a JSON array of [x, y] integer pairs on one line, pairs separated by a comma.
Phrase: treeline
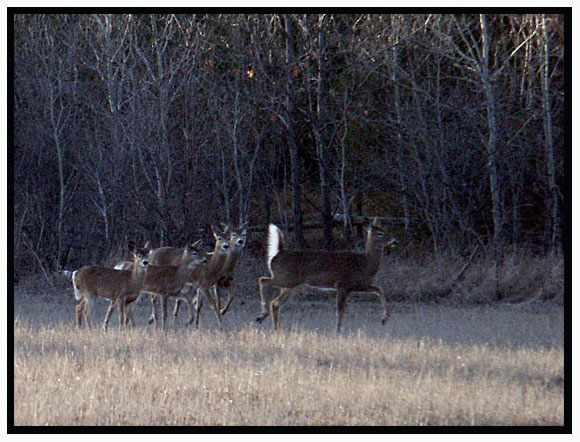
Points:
[[152, 126]]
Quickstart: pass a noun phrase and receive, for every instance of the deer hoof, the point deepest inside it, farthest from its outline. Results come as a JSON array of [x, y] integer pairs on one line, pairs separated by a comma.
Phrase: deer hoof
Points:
[[385, 317]]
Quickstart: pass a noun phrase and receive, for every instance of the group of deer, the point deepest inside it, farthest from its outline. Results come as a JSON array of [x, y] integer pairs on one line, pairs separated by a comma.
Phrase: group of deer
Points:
[[166, 272]]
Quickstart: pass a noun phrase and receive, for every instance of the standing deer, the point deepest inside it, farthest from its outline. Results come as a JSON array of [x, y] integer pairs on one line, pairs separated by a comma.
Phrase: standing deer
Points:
[[343, 272], [209, 275], [169, 280], [115, 285], [224, 283], [202, 278]]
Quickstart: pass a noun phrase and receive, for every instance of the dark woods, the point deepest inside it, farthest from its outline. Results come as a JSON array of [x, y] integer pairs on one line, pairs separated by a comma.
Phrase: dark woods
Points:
[[153, 126]]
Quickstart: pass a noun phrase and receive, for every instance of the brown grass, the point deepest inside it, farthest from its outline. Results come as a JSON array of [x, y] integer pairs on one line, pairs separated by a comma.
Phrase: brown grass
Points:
[[430, 365]]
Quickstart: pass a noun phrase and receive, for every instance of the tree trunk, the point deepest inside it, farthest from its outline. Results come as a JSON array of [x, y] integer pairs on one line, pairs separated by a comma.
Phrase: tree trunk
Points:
[[549, 143], [492, 155], [291, 135], [321, 147]]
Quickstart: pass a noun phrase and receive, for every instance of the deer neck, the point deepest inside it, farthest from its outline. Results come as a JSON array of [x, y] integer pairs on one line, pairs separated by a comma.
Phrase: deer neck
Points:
[[232, 260], [373, 256], [138, 275], [216, 263]]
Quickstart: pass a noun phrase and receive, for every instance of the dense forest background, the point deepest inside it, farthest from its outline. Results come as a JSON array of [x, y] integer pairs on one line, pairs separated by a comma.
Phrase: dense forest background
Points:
[[148, 126]]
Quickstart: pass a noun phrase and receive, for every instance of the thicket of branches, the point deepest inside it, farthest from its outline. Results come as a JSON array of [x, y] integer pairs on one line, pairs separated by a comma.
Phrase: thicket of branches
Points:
[[153, 126]]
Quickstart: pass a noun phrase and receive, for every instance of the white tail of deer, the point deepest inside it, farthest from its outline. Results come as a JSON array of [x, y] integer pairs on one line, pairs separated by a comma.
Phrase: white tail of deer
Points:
[[344, 272], [115, 285]]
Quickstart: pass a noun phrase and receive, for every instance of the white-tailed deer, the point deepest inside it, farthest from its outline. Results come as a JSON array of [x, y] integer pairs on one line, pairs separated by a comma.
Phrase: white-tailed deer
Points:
[[343, 272], [115, 285], [202, 278], [169, 280], [224, 283], [210, 274]]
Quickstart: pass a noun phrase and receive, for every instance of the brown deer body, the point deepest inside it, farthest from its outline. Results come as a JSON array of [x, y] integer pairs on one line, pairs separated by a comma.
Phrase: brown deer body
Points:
[[92, 282], [169, 280], [343, 272]]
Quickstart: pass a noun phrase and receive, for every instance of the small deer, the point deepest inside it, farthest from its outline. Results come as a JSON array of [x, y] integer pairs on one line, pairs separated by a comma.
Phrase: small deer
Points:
[[224, 283], [115, 285], [169, 280], [343, 272]]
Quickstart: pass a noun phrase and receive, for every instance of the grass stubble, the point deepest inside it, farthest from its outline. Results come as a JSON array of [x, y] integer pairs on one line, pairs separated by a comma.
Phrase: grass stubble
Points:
[[245, 374]]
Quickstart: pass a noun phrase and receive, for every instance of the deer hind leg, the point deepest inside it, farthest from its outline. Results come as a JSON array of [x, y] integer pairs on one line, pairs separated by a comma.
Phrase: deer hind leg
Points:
[[188, 303], [110, 310], [264, 280], [277, 303], [79, 311], [340, 307], [87, 312], [164, 299], [153, 316], [176, 308]]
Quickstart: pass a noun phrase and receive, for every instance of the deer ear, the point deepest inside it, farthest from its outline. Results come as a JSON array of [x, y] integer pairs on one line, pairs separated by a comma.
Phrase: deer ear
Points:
[[147, 245], [244, 225], [196, 244], [375, 221]]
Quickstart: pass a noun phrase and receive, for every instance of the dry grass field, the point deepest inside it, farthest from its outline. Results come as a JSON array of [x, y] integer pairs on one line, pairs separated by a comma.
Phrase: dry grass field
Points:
[[429, 365]]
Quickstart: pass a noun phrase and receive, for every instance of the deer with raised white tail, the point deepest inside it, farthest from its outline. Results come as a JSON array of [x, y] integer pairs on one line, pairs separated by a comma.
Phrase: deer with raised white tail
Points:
[[91, 282], [343, 272]]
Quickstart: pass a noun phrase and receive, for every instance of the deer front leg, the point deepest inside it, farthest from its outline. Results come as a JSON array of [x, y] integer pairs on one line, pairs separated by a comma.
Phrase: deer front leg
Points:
[[340, 308], [188, 303], [217, 299], [264, 280], [112, 306], [122, 312], [214, 306], [198, 306], [230, 294], [386, 310], [128, 316]]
